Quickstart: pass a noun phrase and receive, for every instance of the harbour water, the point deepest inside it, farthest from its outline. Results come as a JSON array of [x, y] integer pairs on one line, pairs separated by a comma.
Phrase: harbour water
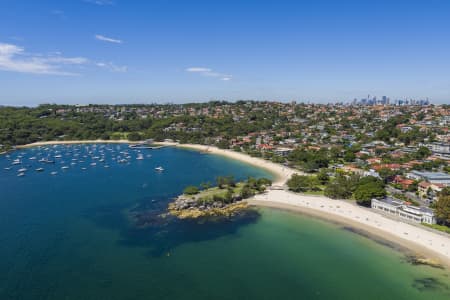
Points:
[[74, 235]]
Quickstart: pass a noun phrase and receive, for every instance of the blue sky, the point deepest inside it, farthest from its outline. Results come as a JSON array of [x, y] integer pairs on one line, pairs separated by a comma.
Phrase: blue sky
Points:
[[130, 51]]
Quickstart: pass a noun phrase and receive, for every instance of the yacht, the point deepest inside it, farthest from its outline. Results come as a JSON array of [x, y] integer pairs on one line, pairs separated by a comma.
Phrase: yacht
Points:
[[39, 169], [21, 170], [159, 169], [16, 162], [93, 164], [54, 173], [64, 167], [20, 174], [140, 156]]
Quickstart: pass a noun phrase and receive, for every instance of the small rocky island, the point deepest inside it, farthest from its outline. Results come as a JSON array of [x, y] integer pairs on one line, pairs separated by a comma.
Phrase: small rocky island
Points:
[[223, 200]]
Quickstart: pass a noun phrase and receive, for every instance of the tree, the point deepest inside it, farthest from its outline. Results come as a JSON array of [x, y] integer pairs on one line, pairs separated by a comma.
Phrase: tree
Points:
[[349, 156], [422, 152], [205, 185], [300, 183], [228, 196], [246, 192], [191, 190], [341, 187], [134, 136], [443, 209], [364, 193], [323, 176], [387, 174]]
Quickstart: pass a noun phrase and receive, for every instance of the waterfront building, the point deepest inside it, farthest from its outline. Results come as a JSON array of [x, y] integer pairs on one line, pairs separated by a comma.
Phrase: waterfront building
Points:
[[400, 209]]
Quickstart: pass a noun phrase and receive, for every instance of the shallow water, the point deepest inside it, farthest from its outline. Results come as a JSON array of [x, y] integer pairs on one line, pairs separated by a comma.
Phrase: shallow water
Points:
[[69, 236]]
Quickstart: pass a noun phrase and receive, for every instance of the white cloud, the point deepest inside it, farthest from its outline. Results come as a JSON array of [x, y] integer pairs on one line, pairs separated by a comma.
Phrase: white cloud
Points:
[[209, 73], [200, 70], [107, 39], [112, 67], [14, 58], [100, 2]]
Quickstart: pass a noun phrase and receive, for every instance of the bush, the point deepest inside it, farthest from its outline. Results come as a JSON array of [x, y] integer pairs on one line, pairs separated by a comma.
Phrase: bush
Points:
[[300, 183], [191, 190], [246, 192]]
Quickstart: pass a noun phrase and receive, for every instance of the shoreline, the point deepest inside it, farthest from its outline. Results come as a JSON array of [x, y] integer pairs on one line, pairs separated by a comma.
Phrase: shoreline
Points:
[[281, 173], [51, 143], [422, 241]]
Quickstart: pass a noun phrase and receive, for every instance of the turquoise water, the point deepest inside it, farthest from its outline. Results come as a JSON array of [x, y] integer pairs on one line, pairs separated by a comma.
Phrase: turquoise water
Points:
[[70, 236]]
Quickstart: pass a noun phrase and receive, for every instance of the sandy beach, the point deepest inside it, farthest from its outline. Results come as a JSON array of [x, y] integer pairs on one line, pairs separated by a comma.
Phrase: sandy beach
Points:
[[422, 241], [281, 173]]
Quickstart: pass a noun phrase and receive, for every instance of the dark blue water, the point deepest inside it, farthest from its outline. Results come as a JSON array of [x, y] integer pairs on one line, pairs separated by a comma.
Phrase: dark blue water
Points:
[[98, 234]]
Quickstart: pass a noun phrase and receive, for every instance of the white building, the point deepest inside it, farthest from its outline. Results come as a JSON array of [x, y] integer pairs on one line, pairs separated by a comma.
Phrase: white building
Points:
[[408, 212], [432, 177], [441, 148]]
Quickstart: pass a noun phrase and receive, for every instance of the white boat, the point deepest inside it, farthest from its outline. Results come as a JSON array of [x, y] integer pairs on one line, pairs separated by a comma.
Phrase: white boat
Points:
[[16, 162], [83, 168], [20, 174], [140, 156], [7, 168], [57, 156], [159, 169], [93, 164], [64, 167], [39, 169], [32, 158], [54, 173], [22, 170]]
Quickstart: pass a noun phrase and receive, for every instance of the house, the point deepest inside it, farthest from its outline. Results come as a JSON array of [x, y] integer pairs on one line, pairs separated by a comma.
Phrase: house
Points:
[[432, 177], [424, 187], [441, 148], [400, 209], [387, 166], [405, 183], [282, 151]]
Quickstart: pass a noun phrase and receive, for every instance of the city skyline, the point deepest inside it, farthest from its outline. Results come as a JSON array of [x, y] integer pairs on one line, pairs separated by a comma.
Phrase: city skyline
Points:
[[113, 52]]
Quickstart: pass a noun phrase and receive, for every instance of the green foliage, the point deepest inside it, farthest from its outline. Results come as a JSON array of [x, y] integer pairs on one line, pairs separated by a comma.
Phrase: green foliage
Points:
[[349, 156], [191, 190], [323, 176], [365, 192], [309, 161], [134, 136], [246, 192], [422, 153], [363, 189], [300, 183], [443, 209], [225, 181], [340, 188]]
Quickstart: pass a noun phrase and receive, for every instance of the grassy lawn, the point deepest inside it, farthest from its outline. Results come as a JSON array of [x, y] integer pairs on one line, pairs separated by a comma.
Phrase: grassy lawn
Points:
[[215, 191], [438, 227]]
